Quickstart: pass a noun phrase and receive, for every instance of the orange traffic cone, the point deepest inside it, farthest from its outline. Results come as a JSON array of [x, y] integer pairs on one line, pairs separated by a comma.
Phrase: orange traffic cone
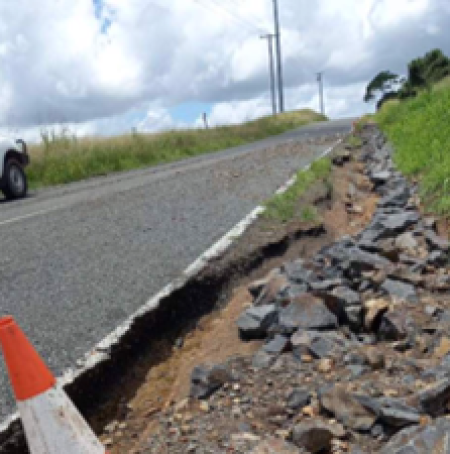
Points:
[[52, 423]]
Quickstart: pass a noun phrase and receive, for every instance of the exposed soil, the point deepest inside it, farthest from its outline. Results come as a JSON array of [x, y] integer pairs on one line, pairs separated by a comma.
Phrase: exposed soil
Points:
[[215, 338], [333, 387]]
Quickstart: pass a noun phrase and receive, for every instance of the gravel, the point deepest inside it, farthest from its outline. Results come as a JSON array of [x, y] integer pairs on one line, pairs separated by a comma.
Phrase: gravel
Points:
[[77, 261]]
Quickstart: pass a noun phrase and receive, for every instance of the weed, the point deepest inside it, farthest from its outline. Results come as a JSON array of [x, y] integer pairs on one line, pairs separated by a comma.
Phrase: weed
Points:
[[283, 207], [308, 214], [354, 141]]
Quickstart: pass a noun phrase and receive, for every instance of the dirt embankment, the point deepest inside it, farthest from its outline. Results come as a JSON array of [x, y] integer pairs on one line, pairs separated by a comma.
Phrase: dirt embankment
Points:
[[345, 205], [334, 340]]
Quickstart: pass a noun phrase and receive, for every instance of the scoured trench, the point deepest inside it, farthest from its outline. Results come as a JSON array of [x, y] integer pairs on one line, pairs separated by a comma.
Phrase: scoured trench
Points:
[[354, 353]]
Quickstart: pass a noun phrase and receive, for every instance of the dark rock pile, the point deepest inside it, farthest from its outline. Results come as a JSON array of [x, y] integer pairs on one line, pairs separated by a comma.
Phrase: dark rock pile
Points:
[[357, 347], [358, 302]]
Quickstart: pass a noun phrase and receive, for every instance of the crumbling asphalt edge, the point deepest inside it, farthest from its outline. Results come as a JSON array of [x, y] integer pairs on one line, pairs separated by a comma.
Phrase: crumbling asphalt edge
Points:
[[99, 354]]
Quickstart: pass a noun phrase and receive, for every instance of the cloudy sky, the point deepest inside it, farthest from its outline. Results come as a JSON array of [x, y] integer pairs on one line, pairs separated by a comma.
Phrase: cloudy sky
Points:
[[106, 66]]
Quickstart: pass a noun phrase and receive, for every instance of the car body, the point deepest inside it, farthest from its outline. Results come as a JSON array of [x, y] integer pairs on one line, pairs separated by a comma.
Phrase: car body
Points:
[[13, 159]]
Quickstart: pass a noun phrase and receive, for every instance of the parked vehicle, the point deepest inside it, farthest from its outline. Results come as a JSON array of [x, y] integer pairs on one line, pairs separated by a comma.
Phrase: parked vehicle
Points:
[[13, 160]]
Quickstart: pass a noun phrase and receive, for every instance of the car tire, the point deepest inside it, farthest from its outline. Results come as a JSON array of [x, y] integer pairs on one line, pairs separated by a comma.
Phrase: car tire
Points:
[[15, 180]]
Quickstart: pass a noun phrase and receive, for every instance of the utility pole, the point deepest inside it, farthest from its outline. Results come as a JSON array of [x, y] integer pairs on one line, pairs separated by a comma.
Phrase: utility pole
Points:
[[269, 38], [279, 57], [320, 81]]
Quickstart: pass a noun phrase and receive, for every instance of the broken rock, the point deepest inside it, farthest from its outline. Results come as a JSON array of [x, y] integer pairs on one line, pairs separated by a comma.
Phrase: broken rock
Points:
[[275, 287], [317, 344], [360, 260], [406, 242], [347, 409], [381, 177], [398, 223], [374, 357], [205, 380], [297, 273], [262, 359], [438, 258], [373, 310], [341, 158], [316, 436], [275, 446], [399, 289], [255, 321], [277, 345], [298, 399], [394, 325], [397, 198], [436, 242], [435, 398], [432, 439], [347, 296], [395, 413], [256, 287], [306, 312], [346, 303]]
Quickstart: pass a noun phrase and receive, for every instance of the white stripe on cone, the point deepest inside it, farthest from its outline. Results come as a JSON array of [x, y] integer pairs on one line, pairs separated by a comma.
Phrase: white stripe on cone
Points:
[[54, 426]]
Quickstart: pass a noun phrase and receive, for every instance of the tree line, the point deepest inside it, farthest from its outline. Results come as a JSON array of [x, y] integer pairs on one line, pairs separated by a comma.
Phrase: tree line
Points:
[[422, 73]]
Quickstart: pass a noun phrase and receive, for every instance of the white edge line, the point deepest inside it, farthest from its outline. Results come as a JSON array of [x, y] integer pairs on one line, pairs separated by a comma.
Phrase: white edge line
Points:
[[28, 216], [100, 352]]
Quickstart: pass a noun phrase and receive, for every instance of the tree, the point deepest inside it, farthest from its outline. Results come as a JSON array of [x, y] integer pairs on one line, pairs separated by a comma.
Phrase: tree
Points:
[[382, 83], [423, 73], [428, 70]]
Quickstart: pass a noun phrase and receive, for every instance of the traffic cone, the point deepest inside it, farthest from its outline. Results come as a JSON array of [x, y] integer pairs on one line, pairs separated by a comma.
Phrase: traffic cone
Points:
[[52, 423]]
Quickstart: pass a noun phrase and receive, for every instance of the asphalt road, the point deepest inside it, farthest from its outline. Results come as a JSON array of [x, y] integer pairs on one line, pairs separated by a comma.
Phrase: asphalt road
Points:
[[77, 260]]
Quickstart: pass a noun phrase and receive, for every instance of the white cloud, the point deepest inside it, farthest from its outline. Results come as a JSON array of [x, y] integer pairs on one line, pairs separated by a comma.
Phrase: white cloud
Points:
[[158, 119], [235, 112], [340, 102], [59, 63]]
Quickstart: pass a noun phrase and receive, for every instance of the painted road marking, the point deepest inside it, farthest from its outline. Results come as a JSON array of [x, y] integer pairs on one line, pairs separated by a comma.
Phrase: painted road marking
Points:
[[28, 216]]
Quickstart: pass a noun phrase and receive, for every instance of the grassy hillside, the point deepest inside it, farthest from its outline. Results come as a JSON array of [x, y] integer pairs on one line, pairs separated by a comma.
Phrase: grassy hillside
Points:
[[443, 84], [63, 159], [419, 129]]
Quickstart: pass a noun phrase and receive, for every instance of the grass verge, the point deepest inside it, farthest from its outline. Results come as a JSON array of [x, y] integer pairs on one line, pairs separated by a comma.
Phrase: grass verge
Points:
[[63, 158], [353, 142], [285, 207], [419, 130]]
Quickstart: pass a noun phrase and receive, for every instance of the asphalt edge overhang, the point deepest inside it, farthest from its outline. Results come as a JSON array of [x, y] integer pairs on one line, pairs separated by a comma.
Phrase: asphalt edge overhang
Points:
[[103, 351]]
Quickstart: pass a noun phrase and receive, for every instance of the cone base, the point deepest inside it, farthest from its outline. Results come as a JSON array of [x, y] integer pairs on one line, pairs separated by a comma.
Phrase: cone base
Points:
[[53, 426]]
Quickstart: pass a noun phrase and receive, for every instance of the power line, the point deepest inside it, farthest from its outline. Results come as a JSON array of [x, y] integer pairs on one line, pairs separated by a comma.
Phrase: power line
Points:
[[256, 25], [239, 17], [256, 19], [218, 8]]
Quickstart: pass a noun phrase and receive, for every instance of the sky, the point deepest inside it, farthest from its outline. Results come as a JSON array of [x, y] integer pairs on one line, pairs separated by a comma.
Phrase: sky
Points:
[[103, 67]]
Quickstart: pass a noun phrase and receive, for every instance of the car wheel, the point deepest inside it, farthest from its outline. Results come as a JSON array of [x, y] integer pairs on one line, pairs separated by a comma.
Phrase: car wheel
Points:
[[15, 180]]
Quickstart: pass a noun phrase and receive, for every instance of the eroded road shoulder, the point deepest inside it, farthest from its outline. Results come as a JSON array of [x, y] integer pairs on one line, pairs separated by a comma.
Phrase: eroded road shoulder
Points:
[[72, 274]]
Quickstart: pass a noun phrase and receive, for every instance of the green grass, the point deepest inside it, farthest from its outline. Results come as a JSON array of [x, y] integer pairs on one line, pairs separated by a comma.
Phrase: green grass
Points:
[[309, 214], [419, 130], [63, 158], [284, 207], [354, 141], [442, 84]]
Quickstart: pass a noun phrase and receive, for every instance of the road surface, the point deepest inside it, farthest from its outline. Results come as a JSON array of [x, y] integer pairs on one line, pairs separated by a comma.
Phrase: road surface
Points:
[[77, 260]]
